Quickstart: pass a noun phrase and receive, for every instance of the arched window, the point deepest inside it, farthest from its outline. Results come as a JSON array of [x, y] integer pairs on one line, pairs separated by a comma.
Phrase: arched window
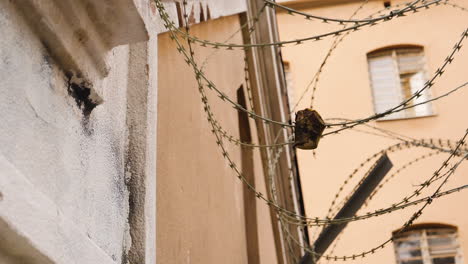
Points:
[[396, 74], [427, 244]]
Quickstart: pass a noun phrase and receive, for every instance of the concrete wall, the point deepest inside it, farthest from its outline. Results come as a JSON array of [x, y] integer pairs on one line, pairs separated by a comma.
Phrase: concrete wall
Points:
[[344, 91], [66, 185], [78, 96], [200, 205]]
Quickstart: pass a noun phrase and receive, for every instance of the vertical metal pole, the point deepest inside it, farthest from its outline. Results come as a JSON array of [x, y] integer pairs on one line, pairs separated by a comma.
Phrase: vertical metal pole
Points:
[[270, 100]]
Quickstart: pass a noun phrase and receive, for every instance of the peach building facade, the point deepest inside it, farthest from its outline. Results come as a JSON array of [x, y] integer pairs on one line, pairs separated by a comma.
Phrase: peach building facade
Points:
[[347, 89], [200, 201]]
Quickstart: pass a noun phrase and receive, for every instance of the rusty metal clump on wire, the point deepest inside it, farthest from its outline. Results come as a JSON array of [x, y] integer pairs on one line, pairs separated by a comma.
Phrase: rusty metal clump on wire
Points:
[[308, 129]]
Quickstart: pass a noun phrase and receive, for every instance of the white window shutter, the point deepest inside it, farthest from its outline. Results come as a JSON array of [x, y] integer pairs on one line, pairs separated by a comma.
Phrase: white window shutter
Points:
[[385, 84], [410, 62], [417, 83], [396, 75]]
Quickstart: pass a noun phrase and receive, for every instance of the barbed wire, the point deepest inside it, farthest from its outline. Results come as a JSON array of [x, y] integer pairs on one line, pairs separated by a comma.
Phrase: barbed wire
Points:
[[240, 176], [380, 186], [334, 209], [218, 127], [210, 119], [416, 202], [251, 29], [336, 41], [405, 102], [247, 83], [335, 44], [398, 171], [251, 114], [219, 138], [231, 46], [430, 199], [414, 217], [392, 135], [237, 141], [400, 137], [381, 132], [272, 173], [437, 144], [427, 200], [199, 73], [439, 150], [435, 98], [259, 195], [308, 16], [396, 206], [408, 107], [448, 3]]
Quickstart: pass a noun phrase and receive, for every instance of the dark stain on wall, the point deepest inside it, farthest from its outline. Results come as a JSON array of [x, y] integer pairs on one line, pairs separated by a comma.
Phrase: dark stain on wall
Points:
[[81, 92]]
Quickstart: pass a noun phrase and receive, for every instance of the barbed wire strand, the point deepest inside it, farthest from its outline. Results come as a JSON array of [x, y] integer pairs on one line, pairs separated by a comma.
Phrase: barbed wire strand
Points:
[[231, 46], [336, 41], [237, 141], [333, 47], [210, 85], [219, 140], [417, 94], [333, 209], [318, 222], [315, 80], [251, 114], [380, 186], [416, 215], [323, 19]]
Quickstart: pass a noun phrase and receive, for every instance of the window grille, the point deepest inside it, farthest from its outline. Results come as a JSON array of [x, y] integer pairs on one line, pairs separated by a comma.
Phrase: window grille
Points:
[[396, 74], [428, 246]]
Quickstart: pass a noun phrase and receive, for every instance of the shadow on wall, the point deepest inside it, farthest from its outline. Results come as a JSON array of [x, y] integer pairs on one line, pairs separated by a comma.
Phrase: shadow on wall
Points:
[[16, 249]]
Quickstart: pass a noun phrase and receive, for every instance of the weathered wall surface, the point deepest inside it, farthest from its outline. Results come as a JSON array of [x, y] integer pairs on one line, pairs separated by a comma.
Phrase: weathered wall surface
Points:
[[200, 206], [75, 161], [344, 91], [78, 170], [203, 10]]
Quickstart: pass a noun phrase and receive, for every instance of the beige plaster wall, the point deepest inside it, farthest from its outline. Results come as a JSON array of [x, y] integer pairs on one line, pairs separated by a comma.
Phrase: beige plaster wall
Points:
[[200, 207], [344, 91]]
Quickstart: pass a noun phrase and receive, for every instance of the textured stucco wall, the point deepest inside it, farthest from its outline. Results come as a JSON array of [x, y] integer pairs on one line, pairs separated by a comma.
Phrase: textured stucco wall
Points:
[[97, 170], [74, 160], [77, 161]]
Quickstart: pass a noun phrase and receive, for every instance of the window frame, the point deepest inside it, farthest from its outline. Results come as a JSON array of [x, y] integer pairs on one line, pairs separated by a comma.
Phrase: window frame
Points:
[[392, 51], [423, 238]]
